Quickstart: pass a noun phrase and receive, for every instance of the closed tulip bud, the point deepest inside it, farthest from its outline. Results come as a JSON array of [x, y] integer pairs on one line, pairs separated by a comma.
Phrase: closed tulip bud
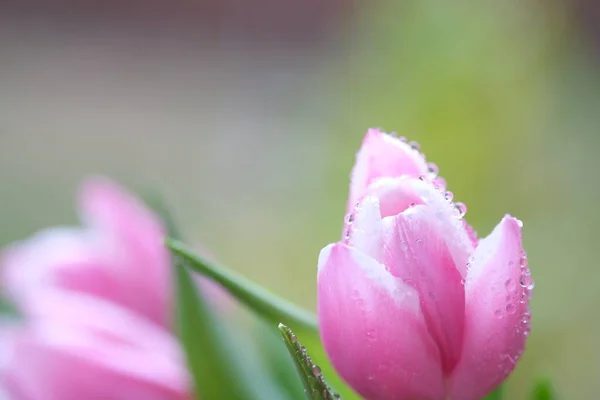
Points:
[[411, 305]]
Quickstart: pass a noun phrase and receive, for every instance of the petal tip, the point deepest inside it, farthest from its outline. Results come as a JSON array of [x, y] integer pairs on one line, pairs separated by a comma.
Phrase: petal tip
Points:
[[324, 256], [511, 226]]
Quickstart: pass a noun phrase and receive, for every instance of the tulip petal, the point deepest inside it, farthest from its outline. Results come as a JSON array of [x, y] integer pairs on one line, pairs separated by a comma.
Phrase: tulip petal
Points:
[[414, 251], [497, 315], [382, 155], [395, 195], [373, 330], [132, 237], [46, 259], [76, 346]]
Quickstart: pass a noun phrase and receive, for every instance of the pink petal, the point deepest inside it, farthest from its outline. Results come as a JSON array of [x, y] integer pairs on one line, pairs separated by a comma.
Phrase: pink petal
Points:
[[382, 155], [447, 221], [395, 195], [497, 313], [77, 347], [373, 330], [38, 261], [398, 194], [131, 238], [414, 251]]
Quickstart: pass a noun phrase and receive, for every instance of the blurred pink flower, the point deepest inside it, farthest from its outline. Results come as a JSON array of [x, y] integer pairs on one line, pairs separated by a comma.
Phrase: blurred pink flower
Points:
[[410, 303], [97, 305], [118, 255], [75, 346]]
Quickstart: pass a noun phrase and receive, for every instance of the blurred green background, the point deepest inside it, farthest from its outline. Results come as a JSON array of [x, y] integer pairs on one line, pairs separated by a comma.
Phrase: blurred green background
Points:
[[248, 118]]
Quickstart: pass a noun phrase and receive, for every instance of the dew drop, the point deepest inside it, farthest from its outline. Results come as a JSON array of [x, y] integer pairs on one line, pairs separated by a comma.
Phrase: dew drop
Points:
[[433, 168], [440, 183], [525, 279], [316, 370], [524, 261], [520, 223], [498, 313], [511, 308], [419, 241], [449, 196], [403, 139], [510, 285], [414, 145], [404, 245], [349, 218], [461, 209]]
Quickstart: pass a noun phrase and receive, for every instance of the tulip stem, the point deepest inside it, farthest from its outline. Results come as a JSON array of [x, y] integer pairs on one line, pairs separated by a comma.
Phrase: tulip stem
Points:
[[272, 307]]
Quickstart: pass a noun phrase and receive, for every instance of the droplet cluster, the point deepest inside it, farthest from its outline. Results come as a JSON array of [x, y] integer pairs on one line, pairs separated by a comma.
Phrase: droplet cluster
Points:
[[524, 289], [319, 388]]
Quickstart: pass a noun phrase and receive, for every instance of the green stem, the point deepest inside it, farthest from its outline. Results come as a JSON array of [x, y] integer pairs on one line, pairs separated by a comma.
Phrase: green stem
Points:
[[272, 307]]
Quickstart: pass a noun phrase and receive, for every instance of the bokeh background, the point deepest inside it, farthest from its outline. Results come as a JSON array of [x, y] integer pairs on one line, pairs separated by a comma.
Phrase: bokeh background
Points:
[[247, 115]]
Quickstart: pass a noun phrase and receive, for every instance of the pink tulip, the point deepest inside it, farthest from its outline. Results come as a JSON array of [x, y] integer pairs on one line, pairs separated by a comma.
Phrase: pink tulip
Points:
[[97, 306], [118, 255], [75, 346], [411, 305]]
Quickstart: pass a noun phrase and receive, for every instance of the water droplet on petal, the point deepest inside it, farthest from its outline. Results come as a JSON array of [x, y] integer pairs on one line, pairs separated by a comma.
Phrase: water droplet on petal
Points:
[[498, 313], [433, 169], [525, 279], [449, 196], [520, 223], [461, 209], [419, 241], [316, 370], [349, 218], [403, 139], [414, 145], [440, 183], [510, 285], [511, 308]]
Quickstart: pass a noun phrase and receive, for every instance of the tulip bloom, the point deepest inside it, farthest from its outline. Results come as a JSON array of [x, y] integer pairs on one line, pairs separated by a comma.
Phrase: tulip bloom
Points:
[[97, 305], [411, 305]]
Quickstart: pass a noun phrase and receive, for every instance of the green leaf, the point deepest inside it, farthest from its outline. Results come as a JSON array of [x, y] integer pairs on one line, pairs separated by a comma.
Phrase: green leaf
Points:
[[543, 391], [200, 340], [222, 366], [310, 374], [257, 298], [272, 308], [281, 367], [495, 395]]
